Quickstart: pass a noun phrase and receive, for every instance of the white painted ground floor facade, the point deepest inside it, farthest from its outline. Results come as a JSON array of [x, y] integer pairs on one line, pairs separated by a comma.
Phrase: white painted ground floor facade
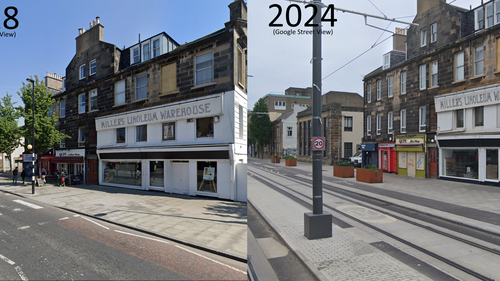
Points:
[[195, 147]]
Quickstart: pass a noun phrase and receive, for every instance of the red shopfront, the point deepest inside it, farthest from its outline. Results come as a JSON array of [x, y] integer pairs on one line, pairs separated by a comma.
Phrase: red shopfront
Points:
[[46, 162], [387, 157]]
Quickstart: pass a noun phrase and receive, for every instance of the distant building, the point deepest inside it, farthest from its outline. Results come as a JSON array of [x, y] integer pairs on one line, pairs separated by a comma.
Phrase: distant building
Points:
[[341, 123], [278, 104], [285, 132]]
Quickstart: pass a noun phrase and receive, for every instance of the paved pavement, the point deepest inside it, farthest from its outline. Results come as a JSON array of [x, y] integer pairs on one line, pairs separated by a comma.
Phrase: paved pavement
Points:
[[345, 257], [213, 224]]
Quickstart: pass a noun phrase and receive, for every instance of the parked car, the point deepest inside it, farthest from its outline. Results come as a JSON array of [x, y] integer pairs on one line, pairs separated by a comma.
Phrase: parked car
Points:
[[356, 159]]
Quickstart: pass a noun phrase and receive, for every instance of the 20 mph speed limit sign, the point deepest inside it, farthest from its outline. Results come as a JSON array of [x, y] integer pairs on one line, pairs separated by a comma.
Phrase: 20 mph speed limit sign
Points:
[[318, 143]]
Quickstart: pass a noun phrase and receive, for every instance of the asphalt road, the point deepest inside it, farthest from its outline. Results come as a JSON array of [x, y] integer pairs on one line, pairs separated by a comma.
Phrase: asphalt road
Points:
[[41, 242]]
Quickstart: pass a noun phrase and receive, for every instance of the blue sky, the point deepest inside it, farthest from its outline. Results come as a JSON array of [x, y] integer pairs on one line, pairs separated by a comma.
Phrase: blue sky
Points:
[[277, 62], [45, 38]]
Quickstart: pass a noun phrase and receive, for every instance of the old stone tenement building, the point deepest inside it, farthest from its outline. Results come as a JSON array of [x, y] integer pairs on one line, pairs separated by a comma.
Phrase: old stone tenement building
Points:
[[158, 115], [452, 53]]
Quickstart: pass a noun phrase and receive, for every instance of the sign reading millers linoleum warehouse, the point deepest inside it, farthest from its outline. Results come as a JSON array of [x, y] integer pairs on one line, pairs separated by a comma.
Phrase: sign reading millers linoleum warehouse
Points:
[[195, 109], [467, 99]]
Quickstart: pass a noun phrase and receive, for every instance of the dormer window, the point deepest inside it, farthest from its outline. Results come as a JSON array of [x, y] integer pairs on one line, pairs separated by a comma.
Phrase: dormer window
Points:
[[489, 16], [135, 55], [156, 48], [146, 53], [479, 18], [387, 62]]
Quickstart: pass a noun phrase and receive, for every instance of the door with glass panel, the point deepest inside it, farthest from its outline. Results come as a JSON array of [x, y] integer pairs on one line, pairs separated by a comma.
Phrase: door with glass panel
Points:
[[156, 172]]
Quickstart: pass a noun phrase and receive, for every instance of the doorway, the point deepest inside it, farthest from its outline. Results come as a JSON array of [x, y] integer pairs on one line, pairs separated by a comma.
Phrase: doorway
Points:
[[180, 177]]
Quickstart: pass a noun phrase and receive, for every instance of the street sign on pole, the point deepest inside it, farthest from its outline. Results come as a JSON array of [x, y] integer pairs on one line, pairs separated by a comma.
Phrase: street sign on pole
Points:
[[318, 143]]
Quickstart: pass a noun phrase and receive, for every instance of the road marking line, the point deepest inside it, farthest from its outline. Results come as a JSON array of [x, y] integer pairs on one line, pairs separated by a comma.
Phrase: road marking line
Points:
[[76, 216], [28, 204], [95, 223], [65, 218], [7, 260], [23, 227], [42, 223], [157, 240], [210, 259], [21, 274]]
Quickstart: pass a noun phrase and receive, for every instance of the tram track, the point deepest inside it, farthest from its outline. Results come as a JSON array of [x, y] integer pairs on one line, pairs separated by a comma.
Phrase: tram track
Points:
[[355, 198]]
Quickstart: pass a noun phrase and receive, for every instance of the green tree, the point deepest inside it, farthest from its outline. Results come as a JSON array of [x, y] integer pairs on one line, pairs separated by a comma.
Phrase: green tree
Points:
[[10, 133], [260, 127], [46, 135]]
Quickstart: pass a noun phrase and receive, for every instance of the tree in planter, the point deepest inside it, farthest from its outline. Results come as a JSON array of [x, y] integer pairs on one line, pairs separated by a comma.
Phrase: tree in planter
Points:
[[10, 133], [260, 127], [46, 135]]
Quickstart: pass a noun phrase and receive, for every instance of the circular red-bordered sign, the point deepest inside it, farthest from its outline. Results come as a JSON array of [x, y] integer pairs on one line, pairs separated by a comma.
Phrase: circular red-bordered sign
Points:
[[319, 143]]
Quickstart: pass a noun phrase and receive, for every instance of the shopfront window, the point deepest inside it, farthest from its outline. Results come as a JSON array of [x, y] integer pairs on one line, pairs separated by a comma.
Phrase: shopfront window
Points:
[[128, 173], [461, 163], [206, 176], [492, 164], [156, 173], [205, 127]]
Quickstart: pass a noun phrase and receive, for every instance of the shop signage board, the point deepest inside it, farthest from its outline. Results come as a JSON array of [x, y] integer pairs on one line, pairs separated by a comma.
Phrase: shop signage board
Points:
[[166, 113], [470, 98], [318, 143], [409, 141], [70, 152]]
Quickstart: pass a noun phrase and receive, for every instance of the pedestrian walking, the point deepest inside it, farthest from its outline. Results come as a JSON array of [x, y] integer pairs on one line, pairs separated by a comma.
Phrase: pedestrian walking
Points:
[[44, 173], [23, 175], [14, 174]]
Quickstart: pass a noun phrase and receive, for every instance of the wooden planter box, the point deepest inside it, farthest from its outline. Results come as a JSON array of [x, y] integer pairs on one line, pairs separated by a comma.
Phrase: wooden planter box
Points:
[[290, 162], [343, 171], [369, 176], [275, 159]]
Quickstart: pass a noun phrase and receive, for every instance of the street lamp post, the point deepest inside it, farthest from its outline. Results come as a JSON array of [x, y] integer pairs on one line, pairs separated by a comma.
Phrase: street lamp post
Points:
[[33, 141]]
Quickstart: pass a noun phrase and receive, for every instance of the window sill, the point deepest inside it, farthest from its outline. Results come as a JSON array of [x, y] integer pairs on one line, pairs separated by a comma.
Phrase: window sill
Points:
[[402, 94], [241, 85], [390, 97], [479, 76], [119, 105], [141, 100], [435, 87], [97, 110], [204, 85], [459, 81], [422, 89], [207, 137], [169, 93]]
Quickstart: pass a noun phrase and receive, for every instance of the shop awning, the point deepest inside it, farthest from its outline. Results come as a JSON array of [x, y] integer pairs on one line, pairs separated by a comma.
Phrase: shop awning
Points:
[[67, 159], [47, 157]]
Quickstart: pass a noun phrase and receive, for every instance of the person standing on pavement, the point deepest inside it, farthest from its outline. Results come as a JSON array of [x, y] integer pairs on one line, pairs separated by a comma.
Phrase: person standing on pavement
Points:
[[23, 175], [44, 173], [14, 174]]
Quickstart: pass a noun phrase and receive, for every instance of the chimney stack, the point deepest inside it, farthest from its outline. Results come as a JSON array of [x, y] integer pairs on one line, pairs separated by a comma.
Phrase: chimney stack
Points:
[[92, 37]]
